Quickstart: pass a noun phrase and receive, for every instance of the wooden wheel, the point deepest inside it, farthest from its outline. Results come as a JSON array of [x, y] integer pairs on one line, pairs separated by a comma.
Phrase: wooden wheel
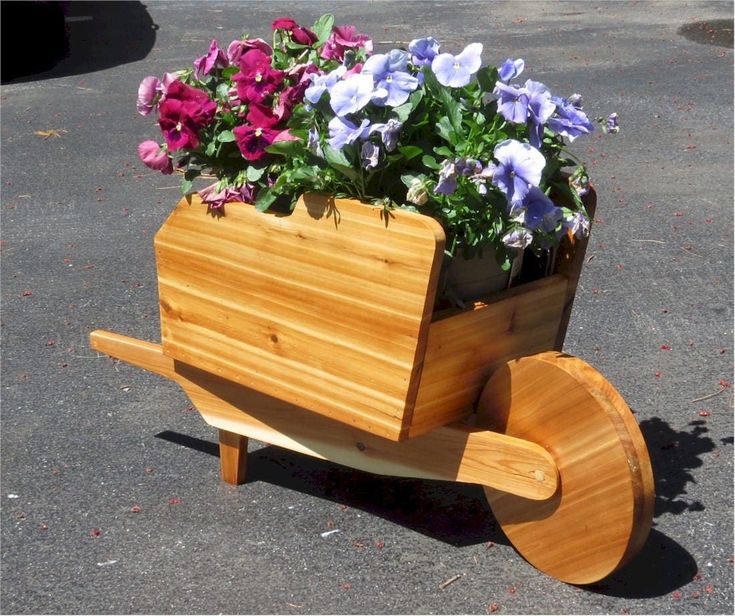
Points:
[[602, 511]]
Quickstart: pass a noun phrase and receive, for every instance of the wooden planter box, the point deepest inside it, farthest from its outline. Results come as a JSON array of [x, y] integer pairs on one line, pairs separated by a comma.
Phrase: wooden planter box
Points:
[[330, 309]]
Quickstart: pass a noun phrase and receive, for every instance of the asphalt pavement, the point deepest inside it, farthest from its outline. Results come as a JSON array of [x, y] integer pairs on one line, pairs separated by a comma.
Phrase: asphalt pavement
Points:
[[110, 497]]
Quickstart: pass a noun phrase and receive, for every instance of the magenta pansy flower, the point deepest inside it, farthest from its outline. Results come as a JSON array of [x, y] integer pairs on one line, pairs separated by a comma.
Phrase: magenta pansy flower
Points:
[[216, 199], [236, 49], [253, 141], [256, 79], [213, 58], [182, 114], [149, 92], [342, 39], [299, 34], [155, 156]]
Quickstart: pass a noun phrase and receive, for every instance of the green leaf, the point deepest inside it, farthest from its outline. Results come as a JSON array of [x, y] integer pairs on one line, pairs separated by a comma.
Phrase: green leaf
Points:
[[210, 148], [446, 131], [223, 91], [430, 162], [486, 77], [226, 136], [444, 95], [253, 174], [323, 28], [265, 199], [404, 111], [186, 185], [285, 148], [338, 161], [410, 151]]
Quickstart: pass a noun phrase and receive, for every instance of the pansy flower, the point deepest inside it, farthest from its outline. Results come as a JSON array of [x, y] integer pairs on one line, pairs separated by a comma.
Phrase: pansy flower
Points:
[[256, 79], [182, 114], [519, 168], [343, 38], [457, 71], [299, 34], [253, 141], [155, 156], [213, 58]]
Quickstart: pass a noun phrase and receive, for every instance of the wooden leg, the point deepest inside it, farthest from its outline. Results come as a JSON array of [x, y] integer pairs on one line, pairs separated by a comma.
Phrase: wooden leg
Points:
[[233, 457]]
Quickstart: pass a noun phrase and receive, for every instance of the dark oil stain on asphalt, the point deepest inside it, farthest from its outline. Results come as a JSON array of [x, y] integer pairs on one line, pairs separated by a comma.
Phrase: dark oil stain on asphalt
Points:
[[716, 32]]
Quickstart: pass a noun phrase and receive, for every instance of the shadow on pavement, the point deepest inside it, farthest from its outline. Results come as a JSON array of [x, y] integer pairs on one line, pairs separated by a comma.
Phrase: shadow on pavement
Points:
[[660, 567], [451, 512], [674, 455], [458, 514], [73, 37]]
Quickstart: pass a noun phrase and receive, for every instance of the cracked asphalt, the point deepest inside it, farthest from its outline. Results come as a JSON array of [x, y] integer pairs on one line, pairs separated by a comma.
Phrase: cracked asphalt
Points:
[[110, 499]]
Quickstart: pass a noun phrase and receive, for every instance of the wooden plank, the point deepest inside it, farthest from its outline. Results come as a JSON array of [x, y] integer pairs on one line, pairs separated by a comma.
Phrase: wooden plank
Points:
[[569, 262], [327, 308], [451, 453], [464, 349]]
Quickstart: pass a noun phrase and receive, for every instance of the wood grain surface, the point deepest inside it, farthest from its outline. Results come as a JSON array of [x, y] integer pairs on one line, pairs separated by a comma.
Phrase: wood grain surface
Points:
[[327, 308], [452, 453], [602, 512]]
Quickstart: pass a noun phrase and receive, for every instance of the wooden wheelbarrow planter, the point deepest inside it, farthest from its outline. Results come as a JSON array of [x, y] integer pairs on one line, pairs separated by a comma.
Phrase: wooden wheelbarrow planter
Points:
[[315, 331]]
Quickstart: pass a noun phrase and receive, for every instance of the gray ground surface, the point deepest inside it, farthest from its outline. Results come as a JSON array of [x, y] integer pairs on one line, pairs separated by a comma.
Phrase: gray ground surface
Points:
[[85, 440]]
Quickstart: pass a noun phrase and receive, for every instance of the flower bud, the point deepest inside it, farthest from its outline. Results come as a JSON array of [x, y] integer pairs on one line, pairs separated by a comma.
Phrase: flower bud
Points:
[[417, 193]]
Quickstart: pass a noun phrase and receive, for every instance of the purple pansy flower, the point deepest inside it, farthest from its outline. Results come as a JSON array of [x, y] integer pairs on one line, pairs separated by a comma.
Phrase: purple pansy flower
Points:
[[518, 238], [541, 213], [511, 69], [569, 120], [612, 123], [342, 131], [578, 224], [423, 50], [520, 167], [389, 132], [480, 178], [155, 156], [214, 57], [389, 72], [369, 155], [447, 183], [351, 95], [457, 71]]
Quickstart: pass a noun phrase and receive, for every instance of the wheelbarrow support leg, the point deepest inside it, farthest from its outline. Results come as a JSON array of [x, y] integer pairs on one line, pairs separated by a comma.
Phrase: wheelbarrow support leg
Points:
[[233, 457]]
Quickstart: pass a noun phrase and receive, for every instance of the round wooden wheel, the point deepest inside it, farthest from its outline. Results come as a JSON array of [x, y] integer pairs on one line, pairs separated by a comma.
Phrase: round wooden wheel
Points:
[[601, 514]]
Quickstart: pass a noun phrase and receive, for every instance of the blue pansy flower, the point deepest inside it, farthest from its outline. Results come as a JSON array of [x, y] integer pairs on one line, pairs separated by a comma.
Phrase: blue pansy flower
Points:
[[569, 120], [457, 71], [321, 83], [511, 69], [342, 131], [390, 74], [389, 132], [541, 213], [423, 50], [519, 168], [351, 95]]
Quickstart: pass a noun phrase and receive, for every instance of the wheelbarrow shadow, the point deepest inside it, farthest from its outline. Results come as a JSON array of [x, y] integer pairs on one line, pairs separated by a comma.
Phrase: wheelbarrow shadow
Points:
[[458, 514], [451, 512]]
